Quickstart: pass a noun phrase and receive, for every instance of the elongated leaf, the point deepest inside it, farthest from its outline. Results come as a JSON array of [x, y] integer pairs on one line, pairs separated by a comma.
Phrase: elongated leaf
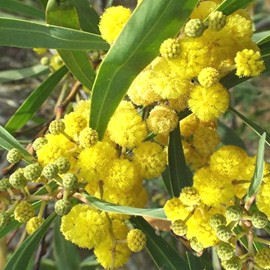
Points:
[[47, 264], [7, 141], [31, 105], [63, 249], [230, 6], [11, 226], [258, 174], [19, 74], [163, 255], [24, 34], [22, 9], [65, 14], [88, 17], [256, 128], [180, 174], [261, 37], [126, 210], [136, 46], [23, 254]]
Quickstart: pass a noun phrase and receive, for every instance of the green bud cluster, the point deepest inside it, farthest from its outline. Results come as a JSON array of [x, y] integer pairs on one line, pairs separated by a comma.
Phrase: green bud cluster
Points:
[[62, 207], [233, 264], [4, 184], [88, 137], [196, 245], [39, 143], [69, 181], [216, 20], [259, 220], [24, 211], [194, 28], [233, 213], [57, 127], [17, 179], [14, 156], [32, 172], [50, 171], [62, 164], [170, 48], [225, 251], [224, 233], [217, 220]]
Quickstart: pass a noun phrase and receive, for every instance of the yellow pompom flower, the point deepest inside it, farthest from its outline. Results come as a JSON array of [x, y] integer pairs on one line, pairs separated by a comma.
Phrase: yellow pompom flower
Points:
[[162, 119], [74, 123], [170, 48], [179, 104], [263, 197], [209, 103], [189, 196], [174, 210], [112, 252], [33, 224], [188, 125], [82, 107], [208, 77], [228, 161], [136, 240], [214, 189], [126, 127], [88, 137], [141, 90], [84, 226], [151, 158], [249, 63], [123, 175], [93, 162], [112, 22]]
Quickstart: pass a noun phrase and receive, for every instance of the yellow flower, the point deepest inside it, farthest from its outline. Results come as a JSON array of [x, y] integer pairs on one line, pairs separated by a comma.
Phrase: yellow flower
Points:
[[175, 210], [208, 77]]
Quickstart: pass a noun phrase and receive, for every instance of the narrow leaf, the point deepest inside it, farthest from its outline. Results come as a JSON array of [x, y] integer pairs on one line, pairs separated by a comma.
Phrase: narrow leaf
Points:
[[180, 174], [157, 213], [25, 34], [11, 226], [32, 104], [65, 14], [7, 141], [63, 249], [258, 173], [136, 46], [163, 255], [230, 6], [22, 9], [256, 128], [23, 73], [23, 254]]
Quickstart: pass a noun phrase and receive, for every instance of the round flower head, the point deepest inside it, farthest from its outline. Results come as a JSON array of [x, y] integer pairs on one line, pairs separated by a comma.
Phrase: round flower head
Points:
[[196, 245], [249, 63], [233, 213], [62, 164], [75, 123], [56, 127], [88, 137], [151, 159], [209, 103], [175, 210], [136, 240], [194, 28], [189, 196], [39, 142], [259, 220], [224, 233], [32, 171], [112, 22], [216, 220], [4, 184], [225, 251], [208, 77], [170, 48], [23, 212], [17, 179], [262, 258], [233, 264], [50, 171], [216, 20], [33, 224], [62, 207], [14, 156]]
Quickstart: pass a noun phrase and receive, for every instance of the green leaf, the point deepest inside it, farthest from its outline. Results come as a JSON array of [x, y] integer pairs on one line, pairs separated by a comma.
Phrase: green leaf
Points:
[[230, 6], [258, 173], [88, 17], [7, 141], [11, 226], [47, 264], [126, 210], [256, 128], [23, 254], [163, 255], [229, 136], [25, 34], [180, 175], [89, 263], [65, 14], [19, 74], [22, 9], [34, 101], [261, 37], [65, 253], [136, 46]]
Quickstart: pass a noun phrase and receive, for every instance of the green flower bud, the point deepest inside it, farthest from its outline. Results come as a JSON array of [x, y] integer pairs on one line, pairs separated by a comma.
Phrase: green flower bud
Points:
[[225, 251], [17, 179], [4, 219], [62, 207], [233, 264], [217, 220], [62, 164], [194, 28], [69, 180], [179, 227], [259, 220], [88, 137], [23, 212], [14, 156], [170, 48], [216, 20], [4, 184], [57, 127], [50, 171], [262, 258], [196, 245], [224, 233], [39, 143], [136, 240], [33, 224], [233, 213], [32, 172]]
